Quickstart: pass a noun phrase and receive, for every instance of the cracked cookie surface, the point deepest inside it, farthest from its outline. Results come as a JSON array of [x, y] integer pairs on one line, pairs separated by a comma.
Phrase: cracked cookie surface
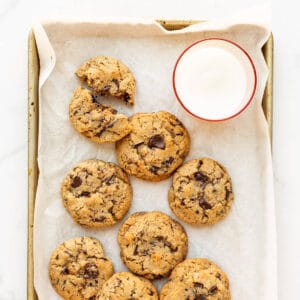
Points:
[[152, 244], [156, 146], [98, 122], [108, 76], [201, 192], [196, 279], [124, 286], [78, 268], [96, 193]]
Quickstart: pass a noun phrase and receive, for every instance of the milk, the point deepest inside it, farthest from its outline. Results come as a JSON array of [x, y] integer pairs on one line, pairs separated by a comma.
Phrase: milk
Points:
[[212, 81]]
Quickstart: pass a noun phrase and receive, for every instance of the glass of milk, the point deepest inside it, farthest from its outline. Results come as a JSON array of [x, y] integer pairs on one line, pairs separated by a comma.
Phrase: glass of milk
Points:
[[214, 79]]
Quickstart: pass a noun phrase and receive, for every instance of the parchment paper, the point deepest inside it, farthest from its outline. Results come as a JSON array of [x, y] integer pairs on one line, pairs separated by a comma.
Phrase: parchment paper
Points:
[[243, 244]]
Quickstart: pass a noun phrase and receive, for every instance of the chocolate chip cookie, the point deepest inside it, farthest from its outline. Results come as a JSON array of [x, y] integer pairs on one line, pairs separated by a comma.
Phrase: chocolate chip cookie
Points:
[[98, 122], [96, 193], [152, 244], [78, 268], [124, 286], [201, 192], [108, 76], [196, 279], [156, 146]]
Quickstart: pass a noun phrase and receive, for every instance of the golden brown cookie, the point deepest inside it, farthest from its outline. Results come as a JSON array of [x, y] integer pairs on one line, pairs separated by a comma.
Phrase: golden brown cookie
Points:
[[78, 268], [108, 76], [124, 286], [152, 244], [156, 146], [98, 122], [201, 192], [96, 193], [196, 279]]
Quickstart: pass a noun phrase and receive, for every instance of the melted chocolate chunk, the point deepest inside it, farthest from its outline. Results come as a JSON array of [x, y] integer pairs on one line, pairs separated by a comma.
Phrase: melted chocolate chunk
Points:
[[65, 271], [116, 82], [100, 219], [138, 144], [168, 162], [90, 271], [109, 180], [200, 176], [110, 210], [118, 282], [135, 251], [200, 297], [85, 194], [113, 111], [95, 99], [150, 293], [204, 204], [228, 192], [76, 182], [154, 169], [167, 243], [126, 97], [104, 90], [198, 285], [213, 290], [157, 141]]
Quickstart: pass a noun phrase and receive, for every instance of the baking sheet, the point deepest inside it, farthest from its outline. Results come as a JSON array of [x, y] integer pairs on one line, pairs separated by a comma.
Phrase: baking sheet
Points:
[[244, 243]]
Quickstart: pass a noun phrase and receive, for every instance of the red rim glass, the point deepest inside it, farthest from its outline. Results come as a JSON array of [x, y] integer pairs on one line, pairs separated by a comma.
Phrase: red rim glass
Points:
[[246, 102]]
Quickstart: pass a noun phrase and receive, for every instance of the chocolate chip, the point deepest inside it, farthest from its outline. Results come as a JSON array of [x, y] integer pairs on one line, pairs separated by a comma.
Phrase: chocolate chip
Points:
[[90, 271], [103, 258], [168, 162], [198, 285], [118, 282], [167, 243], [110, 210], [109, 180], [158, 277], [200, 163], [204, 204], [157, 141], [85, 194], [228, 192], [144, 252], [104, 90], [113, 111], [200, 297], [65, 271], [160, 238], [200, 176], [95, 99], [126, 97], [137, 145], [100, 219], [213, 290], [135, 251], [116, 82], [76, 182], [154, 169], [150, 293]]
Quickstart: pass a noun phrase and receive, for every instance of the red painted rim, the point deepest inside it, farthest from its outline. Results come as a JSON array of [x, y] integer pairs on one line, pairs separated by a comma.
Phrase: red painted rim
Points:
[[254, 74]]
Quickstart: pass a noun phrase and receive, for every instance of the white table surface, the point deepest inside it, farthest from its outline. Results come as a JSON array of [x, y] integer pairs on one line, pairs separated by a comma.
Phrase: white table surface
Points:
[[16, 18]]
